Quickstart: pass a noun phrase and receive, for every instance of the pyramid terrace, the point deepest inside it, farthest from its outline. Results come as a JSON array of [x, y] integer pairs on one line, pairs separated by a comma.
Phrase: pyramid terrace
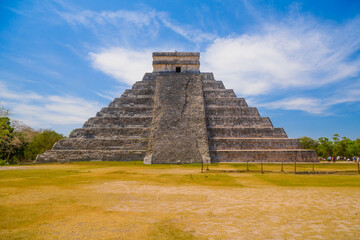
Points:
[[176, 115]]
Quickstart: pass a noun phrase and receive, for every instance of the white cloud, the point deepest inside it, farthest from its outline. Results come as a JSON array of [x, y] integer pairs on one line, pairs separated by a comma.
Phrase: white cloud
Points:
[[193, 35], [310, 105], [88, 17], [45, 111], [316, 105], [296, 53], [132, 23], [125, 65]]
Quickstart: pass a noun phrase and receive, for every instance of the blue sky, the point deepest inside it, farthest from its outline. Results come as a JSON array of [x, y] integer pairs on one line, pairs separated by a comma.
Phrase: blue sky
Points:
[[297, 61]]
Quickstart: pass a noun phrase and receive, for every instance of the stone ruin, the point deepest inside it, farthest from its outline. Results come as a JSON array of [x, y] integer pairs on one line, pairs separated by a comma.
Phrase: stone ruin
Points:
[[177, 114]]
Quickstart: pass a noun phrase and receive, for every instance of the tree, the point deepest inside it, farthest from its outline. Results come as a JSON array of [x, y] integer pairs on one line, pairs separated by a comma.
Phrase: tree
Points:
[[5, 135], [325, 147], [42, 142], [341, 146], [4, 112], [353, 148], [308, 143], [9, 142]]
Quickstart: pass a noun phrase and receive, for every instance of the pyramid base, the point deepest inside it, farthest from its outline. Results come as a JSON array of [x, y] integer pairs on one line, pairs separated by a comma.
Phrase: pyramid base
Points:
[[90, 155]]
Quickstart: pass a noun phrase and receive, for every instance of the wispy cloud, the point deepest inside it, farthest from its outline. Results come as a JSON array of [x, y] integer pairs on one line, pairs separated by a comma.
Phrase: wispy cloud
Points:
[[43, 111], [91, 18], [316, 105], [193, 35], [35, 66], [297, 53], [127, 66], [310, 105], [132, 22]]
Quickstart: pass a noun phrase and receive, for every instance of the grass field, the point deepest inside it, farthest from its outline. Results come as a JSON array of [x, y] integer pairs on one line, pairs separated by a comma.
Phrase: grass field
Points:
[[117, 200]]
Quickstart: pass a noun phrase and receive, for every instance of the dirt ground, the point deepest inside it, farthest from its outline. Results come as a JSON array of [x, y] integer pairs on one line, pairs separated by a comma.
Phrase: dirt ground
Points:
[[136, 208]]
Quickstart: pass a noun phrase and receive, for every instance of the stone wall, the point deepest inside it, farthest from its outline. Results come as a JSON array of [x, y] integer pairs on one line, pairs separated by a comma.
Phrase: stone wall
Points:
[[118, 132], [237, 133], [169, 61], [178, 130]]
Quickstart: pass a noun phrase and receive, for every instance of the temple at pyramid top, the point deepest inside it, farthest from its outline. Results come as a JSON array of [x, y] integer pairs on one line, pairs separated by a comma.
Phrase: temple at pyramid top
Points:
[[176, 62]]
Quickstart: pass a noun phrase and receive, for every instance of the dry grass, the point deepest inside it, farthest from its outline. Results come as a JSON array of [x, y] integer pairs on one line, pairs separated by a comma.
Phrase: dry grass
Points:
[[134, 201]]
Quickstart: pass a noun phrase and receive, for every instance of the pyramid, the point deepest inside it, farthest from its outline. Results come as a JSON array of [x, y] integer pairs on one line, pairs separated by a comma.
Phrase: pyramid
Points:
[[177, 114]]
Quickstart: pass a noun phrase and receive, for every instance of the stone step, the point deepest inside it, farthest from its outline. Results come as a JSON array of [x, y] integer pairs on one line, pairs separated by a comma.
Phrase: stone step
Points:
[[145, 91], [277, 155], [144, 85], [128, 108], [227, 102], [236, 132], [149, 77], [210, 81], [114, 121], [131, 95], [210, 93], [253, 143], [128, 105], [125, 112], [101, 144], [238, 121], [207, 76], [231, 111], [110, 132], [209, 85], [134, 99], [90, 155]]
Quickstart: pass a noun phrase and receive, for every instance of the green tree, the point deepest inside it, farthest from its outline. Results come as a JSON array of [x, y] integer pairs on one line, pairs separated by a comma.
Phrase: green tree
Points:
[[309, 143], [353, 148], [19, 142], [5, 136], [325, 147], [9, 141], [341, 147], [42, 142], [26, 135]]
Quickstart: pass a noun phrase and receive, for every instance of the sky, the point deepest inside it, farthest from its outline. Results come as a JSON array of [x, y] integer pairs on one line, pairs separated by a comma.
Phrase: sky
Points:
[[298, 62]]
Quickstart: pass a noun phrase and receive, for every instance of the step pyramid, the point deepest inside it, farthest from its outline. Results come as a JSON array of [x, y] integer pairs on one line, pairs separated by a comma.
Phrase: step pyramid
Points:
[[177, 114]]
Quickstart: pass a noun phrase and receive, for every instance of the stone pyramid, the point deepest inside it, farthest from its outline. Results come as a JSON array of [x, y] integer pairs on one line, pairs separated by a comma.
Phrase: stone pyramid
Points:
[[177, 114]]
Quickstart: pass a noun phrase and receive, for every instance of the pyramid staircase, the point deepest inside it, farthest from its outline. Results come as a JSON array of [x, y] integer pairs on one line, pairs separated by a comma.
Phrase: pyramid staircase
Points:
[[238, 133], [118, 132]]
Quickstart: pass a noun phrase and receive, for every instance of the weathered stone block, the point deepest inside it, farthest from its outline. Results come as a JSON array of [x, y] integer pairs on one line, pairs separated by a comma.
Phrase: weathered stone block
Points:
[[178, 130]]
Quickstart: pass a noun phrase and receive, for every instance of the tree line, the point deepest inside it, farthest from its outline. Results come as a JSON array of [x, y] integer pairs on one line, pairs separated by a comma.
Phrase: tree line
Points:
[[21, 143], [337, 146]]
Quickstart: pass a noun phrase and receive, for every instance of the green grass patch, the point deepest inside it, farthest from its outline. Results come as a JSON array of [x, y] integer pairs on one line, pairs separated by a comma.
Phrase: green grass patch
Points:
[[290, 167], [67, 175], [39, 177], [294, 180], [168, 230]]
